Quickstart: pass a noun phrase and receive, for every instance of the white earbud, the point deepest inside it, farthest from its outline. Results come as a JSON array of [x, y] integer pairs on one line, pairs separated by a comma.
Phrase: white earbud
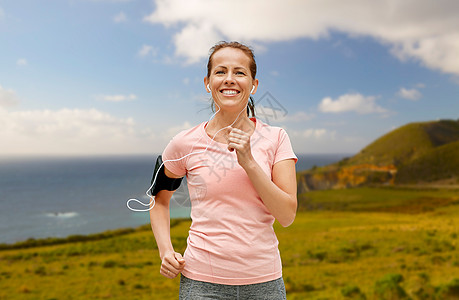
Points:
[[253, 87], [208, 87]]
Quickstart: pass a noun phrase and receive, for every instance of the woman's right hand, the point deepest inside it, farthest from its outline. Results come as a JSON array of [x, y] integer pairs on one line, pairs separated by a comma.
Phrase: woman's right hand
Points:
[[172, 264]]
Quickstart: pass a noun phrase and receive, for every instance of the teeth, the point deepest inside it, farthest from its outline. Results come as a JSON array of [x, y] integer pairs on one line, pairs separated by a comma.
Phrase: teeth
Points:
[[229, 92]]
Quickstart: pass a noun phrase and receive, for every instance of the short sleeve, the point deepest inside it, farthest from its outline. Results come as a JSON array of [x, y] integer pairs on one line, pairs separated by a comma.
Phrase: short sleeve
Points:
[[173, 157], [284, 148]]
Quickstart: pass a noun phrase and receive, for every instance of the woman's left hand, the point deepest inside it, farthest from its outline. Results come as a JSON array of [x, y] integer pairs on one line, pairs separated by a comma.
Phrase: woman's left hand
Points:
[[240, 141]]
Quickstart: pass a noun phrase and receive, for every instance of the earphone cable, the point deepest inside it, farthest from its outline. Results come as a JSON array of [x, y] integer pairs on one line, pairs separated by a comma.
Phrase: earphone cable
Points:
[[151, 204]]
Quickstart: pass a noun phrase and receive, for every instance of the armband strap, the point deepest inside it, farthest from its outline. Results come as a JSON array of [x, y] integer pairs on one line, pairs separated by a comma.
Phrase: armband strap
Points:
[[162, 181]]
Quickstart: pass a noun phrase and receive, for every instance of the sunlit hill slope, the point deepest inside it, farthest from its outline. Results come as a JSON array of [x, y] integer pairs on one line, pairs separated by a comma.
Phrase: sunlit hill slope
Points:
[[416, 153]]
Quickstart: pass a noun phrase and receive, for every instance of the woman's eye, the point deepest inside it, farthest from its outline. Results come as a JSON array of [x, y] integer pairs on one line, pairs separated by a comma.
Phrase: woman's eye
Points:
[[240, 73], [219, 72]]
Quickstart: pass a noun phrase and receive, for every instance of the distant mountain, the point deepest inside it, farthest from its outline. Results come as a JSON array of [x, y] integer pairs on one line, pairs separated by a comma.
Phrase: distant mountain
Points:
[[414, 153]]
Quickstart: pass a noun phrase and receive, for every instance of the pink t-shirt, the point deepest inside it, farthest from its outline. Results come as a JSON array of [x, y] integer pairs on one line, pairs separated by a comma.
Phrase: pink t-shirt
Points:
[[231, 238]]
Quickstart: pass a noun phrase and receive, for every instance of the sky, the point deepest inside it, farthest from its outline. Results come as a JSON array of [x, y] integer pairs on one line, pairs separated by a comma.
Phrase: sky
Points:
[[99, 77]]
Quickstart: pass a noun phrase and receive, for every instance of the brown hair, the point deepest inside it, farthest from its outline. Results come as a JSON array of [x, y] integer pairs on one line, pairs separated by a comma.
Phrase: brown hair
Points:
[[252, 65]]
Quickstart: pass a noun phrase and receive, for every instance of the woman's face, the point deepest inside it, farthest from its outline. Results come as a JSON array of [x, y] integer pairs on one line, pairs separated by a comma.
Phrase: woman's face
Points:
[[230, 80]]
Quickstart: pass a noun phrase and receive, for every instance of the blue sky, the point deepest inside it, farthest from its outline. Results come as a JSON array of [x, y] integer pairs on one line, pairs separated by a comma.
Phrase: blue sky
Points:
[[84, 77]]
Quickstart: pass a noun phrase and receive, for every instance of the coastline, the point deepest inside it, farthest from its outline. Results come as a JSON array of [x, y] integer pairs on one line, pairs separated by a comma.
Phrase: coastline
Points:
[[107, 234], [57, 197]]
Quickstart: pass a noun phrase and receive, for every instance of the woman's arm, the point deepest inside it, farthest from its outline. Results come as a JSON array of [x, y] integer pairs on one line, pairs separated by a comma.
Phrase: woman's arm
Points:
[[279, 195], [172, 262]]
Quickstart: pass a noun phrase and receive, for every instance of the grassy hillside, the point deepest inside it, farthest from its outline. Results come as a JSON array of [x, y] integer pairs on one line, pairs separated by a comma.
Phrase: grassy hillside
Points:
[[414, 153], [440, 163], [398, 146], [408, 142], [366, 243], [442, 132]]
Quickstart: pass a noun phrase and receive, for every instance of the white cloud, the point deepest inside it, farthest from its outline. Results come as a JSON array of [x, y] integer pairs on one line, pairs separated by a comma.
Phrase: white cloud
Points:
[[311, 133], [116, 98], [112, 1], [421, 30], [270, 114], [351, 102], [148, 50], [323, 140], [273, 115], [435, 52], [172, 131], [8, 98], [316, 133], [120, 18], [194, 41], [69, 131], [299, 116], [79, 132], [345, 50], [21, 62], [420, 85], [410, 94]]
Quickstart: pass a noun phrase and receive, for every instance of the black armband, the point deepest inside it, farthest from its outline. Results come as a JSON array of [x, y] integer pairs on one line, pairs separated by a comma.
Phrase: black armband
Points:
[[162, 181]]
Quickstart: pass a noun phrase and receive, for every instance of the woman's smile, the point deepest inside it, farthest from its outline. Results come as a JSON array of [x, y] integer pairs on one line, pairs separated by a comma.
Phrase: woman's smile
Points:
[[229, 92]]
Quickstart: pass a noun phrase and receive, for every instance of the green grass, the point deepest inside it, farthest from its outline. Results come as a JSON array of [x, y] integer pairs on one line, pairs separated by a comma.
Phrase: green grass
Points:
[[388, 199], [438, 163], [368, 243]]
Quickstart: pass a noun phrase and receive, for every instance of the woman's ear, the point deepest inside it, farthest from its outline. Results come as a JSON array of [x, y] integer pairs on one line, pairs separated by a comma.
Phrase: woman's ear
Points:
[[206, 84], [254, 87]]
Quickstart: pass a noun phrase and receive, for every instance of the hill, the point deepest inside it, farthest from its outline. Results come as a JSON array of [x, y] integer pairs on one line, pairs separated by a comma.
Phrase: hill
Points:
[[409, 142], [424, 152]]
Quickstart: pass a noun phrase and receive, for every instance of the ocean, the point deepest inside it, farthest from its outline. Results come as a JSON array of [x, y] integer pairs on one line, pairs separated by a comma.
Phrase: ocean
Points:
[[62, 196]]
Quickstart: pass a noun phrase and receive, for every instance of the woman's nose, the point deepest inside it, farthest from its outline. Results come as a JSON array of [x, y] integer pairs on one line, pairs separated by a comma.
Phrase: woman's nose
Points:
[[229, 78]]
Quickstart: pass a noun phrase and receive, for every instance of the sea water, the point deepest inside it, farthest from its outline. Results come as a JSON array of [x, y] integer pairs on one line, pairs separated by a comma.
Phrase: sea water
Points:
[[61, 196]]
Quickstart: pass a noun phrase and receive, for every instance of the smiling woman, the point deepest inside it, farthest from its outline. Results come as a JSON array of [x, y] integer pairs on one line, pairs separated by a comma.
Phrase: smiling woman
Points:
[[252, 67], [241, 178]]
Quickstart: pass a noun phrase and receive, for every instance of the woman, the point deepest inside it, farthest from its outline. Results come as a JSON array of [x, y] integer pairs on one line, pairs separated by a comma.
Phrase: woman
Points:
[[240, 178]]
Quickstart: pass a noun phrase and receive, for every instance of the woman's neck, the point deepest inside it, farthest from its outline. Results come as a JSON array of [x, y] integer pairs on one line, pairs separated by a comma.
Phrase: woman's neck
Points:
[[220, 121]]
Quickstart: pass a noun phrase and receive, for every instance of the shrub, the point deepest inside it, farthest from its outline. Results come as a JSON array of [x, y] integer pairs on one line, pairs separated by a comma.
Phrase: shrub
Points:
[[437, 260], [388, 288], [24, 289], [449, 290], [422, 289], [293, 286], [139, 286], [92, 264], [110, 264], [353, 292], [41, 270], [320, 256]]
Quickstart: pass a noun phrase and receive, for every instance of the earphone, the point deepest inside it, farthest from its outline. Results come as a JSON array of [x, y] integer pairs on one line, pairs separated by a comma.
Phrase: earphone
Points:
[[253, 88], [151, 204]]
